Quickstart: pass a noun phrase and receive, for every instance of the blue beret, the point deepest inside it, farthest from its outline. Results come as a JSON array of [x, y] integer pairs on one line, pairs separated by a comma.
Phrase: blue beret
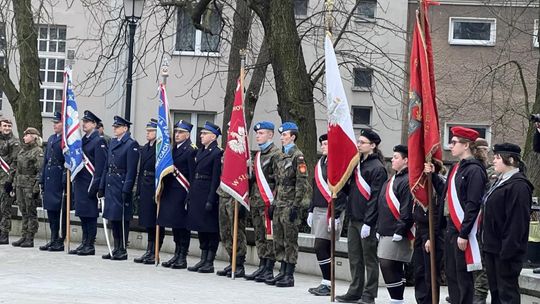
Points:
[[89, 116], [57, 117], [212, 128], [183, 125], [288, 126], [152, 124], [119, 121], [264, 125]]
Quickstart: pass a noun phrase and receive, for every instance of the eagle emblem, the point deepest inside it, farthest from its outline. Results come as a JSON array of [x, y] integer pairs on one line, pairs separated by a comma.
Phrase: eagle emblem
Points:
[[237, 143]]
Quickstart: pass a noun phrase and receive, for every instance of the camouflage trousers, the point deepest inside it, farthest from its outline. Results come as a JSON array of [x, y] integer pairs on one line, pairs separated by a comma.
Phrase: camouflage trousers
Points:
[[5, 211], [285, 235], [226, 226], [481, 285], [28, 206], [265, 247]]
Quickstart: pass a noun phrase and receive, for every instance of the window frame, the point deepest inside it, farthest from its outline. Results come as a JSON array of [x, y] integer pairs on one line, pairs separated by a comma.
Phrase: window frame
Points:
[[194, 120], [198, 42], [448, 125], [56, 56], [298, 16], [359, 126], [535, 34], [470, 42], [360, 19], [356, 88]]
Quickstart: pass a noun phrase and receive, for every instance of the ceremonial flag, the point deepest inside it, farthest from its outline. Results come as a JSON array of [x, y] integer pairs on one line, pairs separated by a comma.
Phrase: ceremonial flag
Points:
[[424, 139], [71, 135], [234, 176], [342, 151], [164, 161]]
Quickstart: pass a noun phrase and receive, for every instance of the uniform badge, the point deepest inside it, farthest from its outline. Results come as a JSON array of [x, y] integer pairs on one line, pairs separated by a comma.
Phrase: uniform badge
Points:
[[302, 165]]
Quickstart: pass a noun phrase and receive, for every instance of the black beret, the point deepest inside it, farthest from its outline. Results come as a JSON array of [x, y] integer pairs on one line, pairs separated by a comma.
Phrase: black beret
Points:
[[323, 138], [402, 149], [507, 148], [371, 135]]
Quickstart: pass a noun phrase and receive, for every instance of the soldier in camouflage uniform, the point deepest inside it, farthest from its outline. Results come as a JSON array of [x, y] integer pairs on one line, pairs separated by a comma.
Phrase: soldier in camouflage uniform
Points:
[[268, 158], [9, 148], [226, 226], [26, 183], [293, 185]]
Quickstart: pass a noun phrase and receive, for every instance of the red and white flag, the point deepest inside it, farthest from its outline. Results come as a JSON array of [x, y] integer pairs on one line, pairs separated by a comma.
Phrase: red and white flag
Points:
[[342, 151], [234, 176]]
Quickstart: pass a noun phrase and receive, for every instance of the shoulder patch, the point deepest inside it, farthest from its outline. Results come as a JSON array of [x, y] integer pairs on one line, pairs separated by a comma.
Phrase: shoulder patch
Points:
[[302, 167]]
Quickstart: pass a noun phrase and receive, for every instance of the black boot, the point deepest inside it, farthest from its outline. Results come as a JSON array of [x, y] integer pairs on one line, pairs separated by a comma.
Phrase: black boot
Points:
[[268, 273], [181, 262], [120, 255], [108, 256], [280, 276], [226, 271], [4, 238], [175, 257], [195, 268], [28, 241], [149, 249], [18, 242], [88, 248], [208, 266], [262, 267], [240, 270], [57, 245], [288, 279], [47, 246]]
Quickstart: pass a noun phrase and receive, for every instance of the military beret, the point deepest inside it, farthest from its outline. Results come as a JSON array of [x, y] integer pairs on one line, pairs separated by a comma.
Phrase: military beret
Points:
[[89, 116], [183, 126], [404, 150], [31, 130], [288, 126], [371, 135], [57, 117], [152, 124], [466, 133], [323, 138], [119, 121], [264, 125], [213, 128], [507, 148]]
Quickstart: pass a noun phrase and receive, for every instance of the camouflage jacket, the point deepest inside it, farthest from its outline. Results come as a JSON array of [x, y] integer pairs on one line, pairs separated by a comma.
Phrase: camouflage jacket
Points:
[[269, 165], [9, 148], [29, 166], [292, 179]]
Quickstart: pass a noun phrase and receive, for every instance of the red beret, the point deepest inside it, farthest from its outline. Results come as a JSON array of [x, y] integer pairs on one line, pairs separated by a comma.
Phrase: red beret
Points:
[[466, 133]]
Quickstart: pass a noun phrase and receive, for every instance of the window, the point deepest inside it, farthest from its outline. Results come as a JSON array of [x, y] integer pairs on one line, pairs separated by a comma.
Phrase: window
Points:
[[472, 31], [1, 93], [362, 79], [2, 48], [361, 116], [535, 33], [301, 8], [197, 120], [483, 129], [365, 11], [190, 41], [52, 61]]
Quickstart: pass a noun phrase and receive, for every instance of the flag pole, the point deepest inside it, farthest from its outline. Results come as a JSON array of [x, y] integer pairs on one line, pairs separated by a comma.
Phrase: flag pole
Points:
[[68, 210]]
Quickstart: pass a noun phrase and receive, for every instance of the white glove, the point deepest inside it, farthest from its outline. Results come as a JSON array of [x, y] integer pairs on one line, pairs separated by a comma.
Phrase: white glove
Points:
[[396, 237], [337, 223], [310, 219], [366, 230], [378, 236]]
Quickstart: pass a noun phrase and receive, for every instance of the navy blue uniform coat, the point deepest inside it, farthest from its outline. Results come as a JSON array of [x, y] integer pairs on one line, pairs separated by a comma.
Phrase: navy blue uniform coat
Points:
[[53, 177], [146, 186]]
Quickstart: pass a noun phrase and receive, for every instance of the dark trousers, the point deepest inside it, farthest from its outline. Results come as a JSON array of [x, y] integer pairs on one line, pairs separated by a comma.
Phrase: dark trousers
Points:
[[116, 227], [422, 266], [460, 281], [363, 261], [209, 241], [89, 228], [54, 224], [182, 238], [152, 234], [503, 278]]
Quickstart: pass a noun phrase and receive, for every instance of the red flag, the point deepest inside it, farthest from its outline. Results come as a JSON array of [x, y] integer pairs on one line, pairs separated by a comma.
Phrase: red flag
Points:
[[234, 176], [342, 151], [424, 138]]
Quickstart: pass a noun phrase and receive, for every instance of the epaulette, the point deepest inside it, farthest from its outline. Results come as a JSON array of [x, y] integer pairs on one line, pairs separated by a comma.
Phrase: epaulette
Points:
[[194, 146]]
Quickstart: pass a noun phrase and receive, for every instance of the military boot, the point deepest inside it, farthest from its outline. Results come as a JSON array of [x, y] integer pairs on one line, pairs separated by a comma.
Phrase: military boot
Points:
[[208, 266], [108, 256], [28, 241], [88, 248], [175, 257], [226, 271], [280, 275], [46, 246], [268, 273], [195, 268], [288, 279], [57, 245], [181, 262], [240, 270], [262, 267], [4, 238], [149, 249], [18, 242]]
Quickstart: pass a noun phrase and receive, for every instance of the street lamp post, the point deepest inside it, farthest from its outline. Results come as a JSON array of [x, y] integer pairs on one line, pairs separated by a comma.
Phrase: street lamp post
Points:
[[133, 12]]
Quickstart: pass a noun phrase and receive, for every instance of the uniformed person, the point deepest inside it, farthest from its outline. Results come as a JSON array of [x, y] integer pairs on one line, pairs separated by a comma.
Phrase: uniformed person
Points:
[[53, 183], [176, 187], [262, 190], [86, 183], [394, 225], [319, 218], [26, 183], [101, 131], [364, 187], [146, 190], [9, 148], [293, 186], [117, 185], [203, 198]]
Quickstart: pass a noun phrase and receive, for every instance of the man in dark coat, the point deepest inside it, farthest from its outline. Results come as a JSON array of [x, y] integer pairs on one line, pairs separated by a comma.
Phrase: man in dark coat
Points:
[[146, 191], [53, 183], [176, 186], [203, 199], [86, 183], [117, 185]]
